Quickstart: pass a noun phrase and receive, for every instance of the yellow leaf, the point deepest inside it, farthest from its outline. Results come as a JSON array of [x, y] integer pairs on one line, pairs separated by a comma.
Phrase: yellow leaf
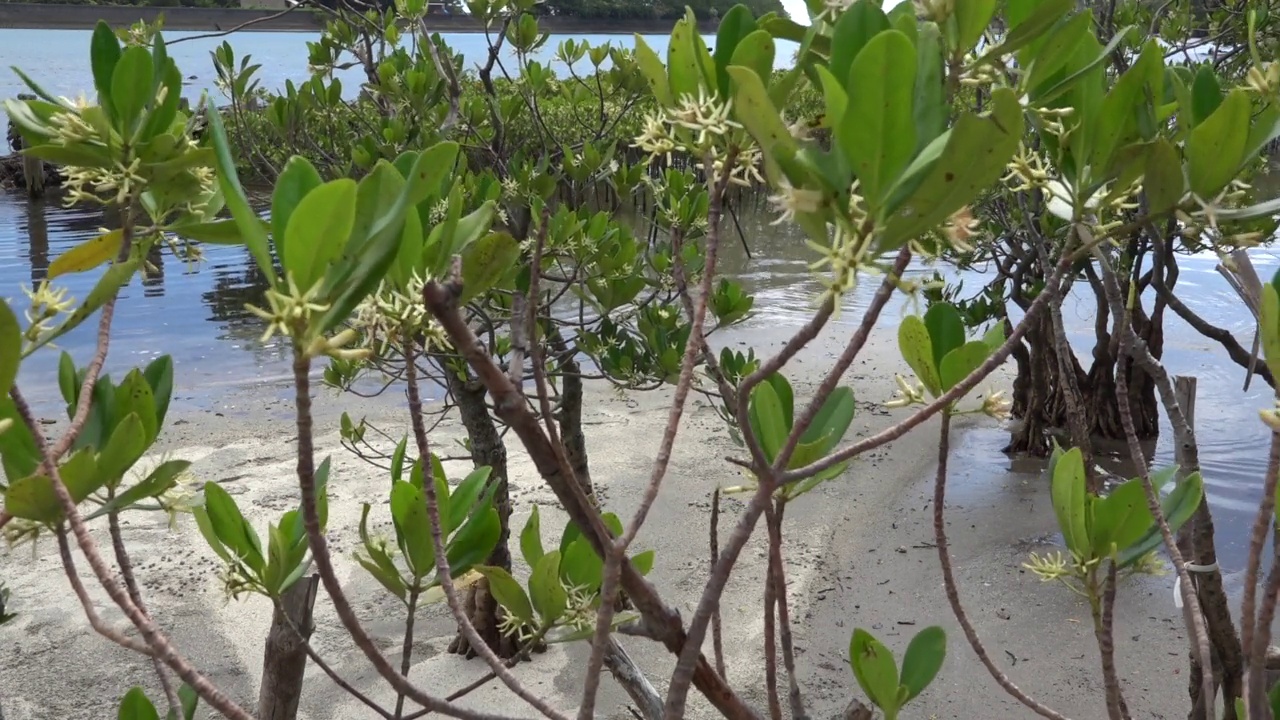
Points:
[[87, 255]]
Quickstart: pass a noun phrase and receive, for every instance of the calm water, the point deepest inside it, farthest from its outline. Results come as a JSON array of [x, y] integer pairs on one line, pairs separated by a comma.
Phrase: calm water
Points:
[[196, 314], [283, 56]]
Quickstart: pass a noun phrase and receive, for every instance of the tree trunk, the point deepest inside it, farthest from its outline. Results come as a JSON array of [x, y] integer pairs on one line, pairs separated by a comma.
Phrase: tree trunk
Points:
[[1196, 540], [284, 663], [487, 448]]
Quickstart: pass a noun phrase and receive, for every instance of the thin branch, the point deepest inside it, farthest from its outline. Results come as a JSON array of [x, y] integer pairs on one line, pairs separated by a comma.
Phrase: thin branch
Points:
[[1049, 294], [90, 612], [716, 641], [953, 590], [663, 623], [237, 28], [693, 348], [155, 639], [131, 584], [1133, 346], [324, 563], [794, 698]]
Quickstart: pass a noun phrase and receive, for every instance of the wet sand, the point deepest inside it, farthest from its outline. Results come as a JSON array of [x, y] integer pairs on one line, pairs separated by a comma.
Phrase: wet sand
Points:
[[859, 553]]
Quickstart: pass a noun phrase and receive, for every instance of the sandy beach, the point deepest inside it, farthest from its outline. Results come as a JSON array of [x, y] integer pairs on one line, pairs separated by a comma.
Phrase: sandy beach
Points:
[[859, 553]]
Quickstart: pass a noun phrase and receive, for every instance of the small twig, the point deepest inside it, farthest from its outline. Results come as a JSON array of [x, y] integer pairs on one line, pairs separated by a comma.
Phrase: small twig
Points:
[[155, 639], [90, 612], [664, 623], [324, 562], [327, 669], [953, 590], [1132, 346], [716, 640], [958, 391], [131, 584], [794, 698], [662, 461], [237, 28]]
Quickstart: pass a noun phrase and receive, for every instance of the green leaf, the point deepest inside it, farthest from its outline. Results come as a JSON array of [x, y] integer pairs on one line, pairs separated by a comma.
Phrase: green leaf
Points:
[[929, 106], [163, 478], [959, 363], [643, 561], [1102, 55], [917, 349], [756, 51], [136, 706], [296, 181], [127, 444], [215, 232], [1215, 147], [1178, 507], [159, 376], [832, 421], [975, 155], [1121, 518], [318, 231], [230, 527], [753, 108], [874, 669], [507, 592], [11, 348], [1163, 179], [972, 18], [81, 155], [190, 700], [531, 539], [372, 257], [946, 330], [653, 70], [88, 254], [1068, 492], [487, 261], [734, 26], [132, 87], [134, 396], [378, 563], [462, 503], [877, 132], [767, 419], [1206, 94], [413, 528], [683, 63], [862, 21], [475, 541], [1269, 327], [581, 566], [1116, 119], [1057, 49], [923, 660], [1028, 29], [104, 53], [549, 596], [252, 230], [994, 337]]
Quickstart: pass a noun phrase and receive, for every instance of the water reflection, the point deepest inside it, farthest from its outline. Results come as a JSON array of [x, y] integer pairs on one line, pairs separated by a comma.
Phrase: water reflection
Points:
[[194, 312]]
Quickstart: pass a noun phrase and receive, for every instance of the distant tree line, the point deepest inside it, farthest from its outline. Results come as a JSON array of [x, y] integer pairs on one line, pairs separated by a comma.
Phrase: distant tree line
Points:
[[593, 9]]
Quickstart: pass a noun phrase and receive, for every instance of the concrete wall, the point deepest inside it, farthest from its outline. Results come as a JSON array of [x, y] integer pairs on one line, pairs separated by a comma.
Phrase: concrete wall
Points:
[[33, 16]]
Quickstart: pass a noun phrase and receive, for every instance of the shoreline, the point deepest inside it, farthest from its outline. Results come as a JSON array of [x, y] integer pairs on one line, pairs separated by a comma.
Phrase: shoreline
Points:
[[34, 16], [857, 551]]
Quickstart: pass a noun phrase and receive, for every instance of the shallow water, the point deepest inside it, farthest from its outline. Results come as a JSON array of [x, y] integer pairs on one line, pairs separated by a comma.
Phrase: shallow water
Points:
[[196, 314]]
